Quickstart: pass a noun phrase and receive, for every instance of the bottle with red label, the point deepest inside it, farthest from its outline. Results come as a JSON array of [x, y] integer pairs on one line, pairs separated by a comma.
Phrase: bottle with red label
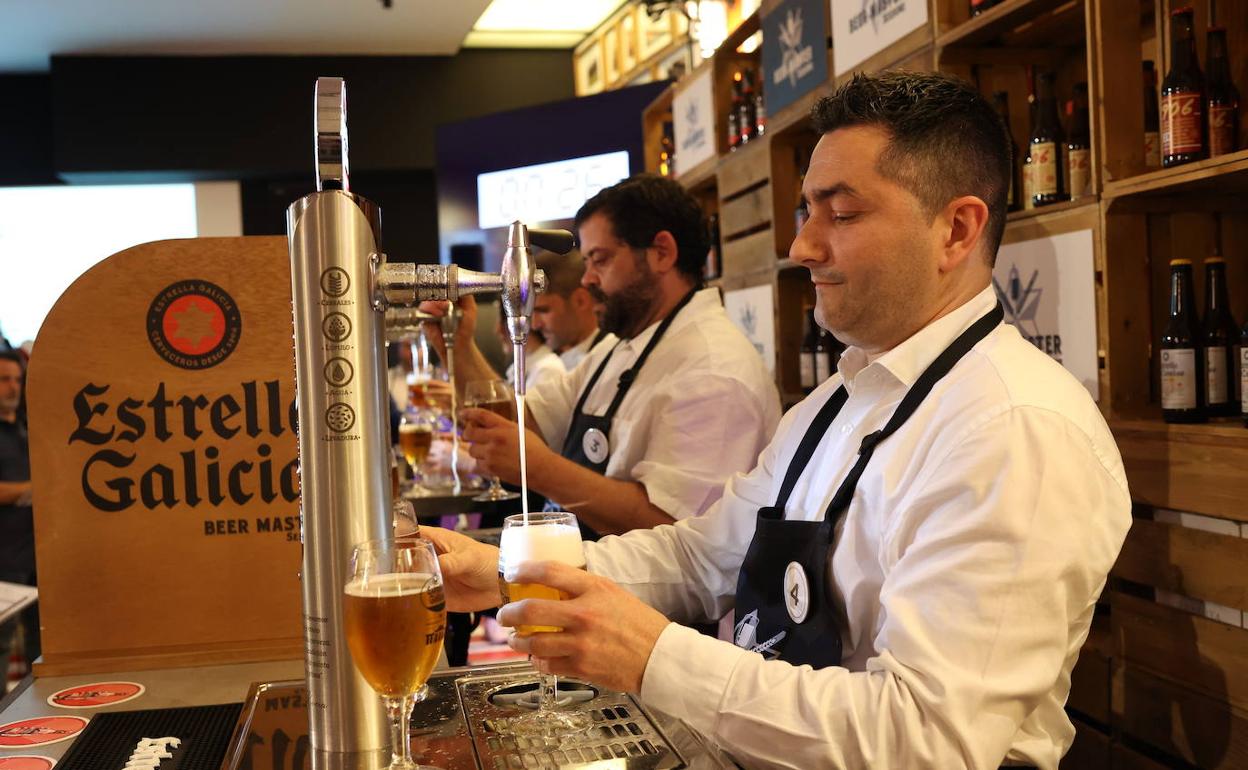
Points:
[[734, 113], [1222, 101], [1182, 378], [1152, 119], [746, 120], [1079, 145], [1182, 96], [979, 6], [1044, 157]]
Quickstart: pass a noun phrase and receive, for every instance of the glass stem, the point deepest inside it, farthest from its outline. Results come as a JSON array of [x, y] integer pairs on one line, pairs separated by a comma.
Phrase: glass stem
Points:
[[550, 693], [400, 710]]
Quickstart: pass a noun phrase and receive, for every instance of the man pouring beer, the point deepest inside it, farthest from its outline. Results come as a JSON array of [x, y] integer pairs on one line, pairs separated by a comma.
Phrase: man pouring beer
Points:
[[649, 426], [915, 558]]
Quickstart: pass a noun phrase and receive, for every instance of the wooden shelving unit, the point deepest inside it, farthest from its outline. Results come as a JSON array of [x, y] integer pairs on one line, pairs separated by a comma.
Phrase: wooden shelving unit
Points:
[[1139, 218]]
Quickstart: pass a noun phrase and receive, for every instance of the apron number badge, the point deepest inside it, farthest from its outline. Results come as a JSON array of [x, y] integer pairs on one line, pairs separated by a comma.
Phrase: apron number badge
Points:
[[595, 445], [796, 592]]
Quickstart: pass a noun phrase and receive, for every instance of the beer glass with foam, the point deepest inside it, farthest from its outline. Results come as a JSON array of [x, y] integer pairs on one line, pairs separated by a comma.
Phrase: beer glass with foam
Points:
[[394, 611], [546, 536], [495, 396]]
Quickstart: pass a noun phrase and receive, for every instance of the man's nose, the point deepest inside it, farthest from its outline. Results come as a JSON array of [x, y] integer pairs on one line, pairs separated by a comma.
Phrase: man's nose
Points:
[[807, 248]]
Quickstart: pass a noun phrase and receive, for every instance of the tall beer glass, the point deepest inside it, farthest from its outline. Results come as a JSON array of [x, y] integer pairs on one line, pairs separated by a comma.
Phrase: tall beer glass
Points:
[[547, 536], [498, 397], [395, 615]]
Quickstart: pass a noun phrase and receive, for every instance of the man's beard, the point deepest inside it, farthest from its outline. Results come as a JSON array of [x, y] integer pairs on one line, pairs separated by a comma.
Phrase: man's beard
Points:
[[625, 310]]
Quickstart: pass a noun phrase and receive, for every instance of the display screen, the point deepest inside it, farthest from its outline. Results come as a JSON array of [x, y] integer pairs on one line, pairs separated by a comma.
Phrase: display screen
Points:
[[546, 191]]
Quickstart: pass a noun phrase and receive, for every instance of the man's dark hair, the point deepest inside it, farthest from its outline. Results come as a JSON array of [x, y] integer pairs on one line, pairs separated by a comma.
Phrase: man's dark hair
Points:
[[15, 357], [563, 272], [645, 204], [945, 140]]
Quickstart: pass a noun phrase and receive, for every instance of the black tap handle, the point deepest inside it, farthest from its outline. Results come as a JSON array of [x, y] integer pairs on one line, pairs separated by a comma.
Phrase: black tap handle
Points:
[[558, 241]]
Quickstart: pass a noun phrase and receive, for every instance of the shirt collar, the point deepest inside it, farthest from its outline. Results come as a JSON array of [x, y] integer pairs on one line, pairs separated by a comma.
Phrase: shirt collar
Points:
[[907, 361], [702, 301]]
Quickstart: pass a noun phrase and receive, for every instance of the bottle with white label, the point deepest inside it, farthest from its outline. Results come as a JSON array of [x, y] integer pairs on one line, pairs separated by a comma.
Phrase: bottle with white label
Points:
[[807, 354], [1182, 379], [1219, 334], [823, 357]]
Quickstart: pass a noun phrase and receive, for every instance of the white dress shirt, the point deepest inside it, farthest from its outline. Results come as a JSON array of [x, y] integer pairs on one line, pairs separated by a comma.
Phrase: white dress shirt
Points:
[[965, 569], [540, 365], [575, 354], [701, 409]]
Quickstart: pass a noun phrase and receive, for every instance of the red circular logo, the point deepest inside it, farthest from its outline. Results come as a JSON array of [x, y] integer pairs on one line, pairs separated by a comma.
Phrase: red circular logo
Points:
[[26, 762], [87, 696], [194, 324], [40, 731]]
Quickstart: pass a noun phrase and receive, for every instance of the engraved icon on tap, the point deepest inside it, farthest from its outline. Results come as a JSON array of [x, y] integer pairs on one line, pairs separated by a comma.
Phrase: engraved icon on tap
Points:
[[340, 417], [546, 537], [336, 326], [338, 372], [335, 282]]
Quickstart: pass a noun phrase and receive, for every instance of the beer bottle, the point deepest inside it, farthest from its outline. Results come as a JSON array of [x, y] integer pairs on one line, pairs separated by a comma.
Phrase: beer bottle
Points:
[[1079, 146], [1222, 103], [745, 107], [1243, 373], [1001, 101], [823, 356], [806, 355], [1046, 138], [1218, 336], [1182, 96], [760, 109], [979, 6], [1182, 381], [667, 150], [1152, 119], [734, 113], [712, 268]]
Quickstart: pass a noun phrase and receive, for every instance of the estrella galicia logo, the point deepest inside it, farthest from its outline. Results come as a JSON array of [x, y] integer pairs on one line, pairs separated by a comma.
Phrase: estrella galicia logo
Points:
[[194, 324], [796, 63], [697, 134]]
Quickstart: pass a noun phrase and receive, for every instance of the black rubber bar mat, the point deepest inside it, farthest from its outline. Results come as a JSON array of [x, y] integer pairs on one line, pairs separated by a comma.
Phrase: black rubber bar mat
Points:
[[110, 738]]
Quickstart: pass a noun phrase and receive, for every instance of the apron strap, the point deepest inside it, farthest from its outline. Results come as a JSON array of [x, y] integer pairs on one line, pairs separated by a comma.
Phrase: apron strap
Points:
[[810, 442], [909, 404], [629, 375]]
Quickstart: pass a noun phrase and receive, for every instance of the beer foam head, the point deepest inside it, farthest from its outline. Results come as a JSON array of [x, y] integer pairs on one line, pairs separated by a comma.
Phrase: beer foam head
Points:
[[389, 585], [415, 427], [540, 542]]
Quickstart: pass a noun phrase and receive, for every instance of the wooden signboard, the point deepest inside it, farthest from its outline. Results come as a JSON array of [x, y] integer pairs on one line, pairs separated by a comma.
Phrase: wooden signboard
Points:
[[163, 457]]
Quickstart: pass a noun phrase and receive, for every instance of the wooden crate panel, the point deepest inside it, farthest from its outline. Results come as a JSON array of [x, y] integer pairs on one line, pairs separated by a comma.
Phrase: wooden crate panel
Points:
[[1125, 758], [1205, 655], [1197, 468], [1089, 686], [746, 212], [745, 168], [1187, 561], [1090, 751], [749, 254], [1179, 721]]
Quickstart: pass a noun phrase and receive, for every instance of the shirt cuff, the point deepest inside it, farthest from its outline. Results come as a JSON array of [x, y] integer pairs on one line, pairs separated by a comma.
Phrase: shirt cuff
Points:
[[687, 676]]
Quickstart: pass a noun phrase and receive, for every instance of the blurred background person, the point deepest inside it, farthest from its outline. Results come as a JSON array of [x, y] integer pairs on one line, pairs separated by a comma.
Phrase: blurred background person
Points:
[[565, 313]]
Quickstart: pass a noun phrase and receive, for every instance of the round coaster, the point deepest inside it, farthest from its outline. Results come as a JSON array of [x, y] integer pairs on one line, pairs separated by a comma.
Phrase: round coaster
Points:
[[40, 731], [26, 762], [96, 694]]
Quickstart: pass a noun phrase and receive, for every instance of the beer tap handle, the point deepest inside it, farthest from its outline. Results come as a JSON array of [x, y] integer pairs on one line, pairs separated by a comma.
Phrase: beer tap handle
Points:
[[558, 241], [331, 135]]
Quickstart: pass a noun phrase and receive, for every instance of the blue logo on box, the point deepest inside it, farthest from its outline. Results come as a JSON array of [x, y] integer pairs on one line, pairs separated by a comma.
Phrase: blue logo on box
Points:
[[794, 52]]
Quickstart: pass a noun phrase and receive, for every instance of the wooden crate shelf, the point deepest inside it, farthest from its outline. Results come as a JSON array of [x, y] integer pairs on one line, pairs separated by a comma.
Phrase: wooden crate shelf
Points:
[[1017, 24], [698, 177], [1197, 468], [1055, 208], [1224, 176]]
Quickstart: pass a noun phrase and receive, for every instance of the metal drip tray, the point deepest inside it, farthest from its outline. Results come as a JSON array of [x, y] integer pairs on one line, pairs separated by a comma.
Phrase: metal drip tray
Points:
[[464, 725], [619, 733]]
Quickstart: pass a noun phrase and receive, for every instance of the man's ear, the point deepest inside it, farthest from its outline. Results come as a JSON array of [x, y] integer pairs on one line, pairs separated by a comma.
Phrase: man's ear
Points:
[[966, 221], [663, 252]]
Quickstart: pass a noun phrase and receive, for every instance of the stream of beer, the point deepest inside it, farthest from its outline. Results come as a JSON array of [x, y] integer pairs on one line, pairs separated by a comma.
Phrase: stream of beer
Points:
[[518, 353], [450, 373]]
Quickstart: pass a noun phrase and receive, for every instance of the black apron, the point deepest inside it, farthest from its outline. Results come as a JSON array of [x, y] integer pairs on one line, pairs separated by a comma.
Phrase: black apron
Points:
[[588, 441], [783, 604]]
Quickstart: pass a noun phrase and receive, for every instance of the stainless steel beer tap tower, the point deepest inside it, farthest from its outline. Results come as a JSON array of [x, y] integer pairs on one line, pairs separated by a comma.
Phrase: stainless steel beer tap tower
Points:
[[341, 286]]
